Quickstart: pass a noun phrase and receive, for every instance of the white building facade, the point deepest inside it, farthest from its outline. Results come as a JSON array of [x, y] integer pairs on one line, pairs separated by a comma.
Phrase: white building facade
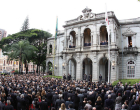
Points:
[[82, 48]]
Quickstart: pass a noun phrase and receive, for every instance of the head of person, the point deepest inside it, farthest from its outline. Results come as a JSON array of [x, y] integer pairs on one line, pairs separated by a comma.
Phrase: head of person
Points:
[[94, 108], [109, 96], [8, 102], [99, 98], [70, 106], [63, 107]]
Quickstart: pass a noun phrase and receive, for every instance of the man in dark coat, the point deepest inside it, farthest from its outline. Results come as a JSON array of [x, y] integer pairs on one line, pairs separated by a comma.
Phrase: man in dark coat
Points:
[[59, 102], [65, 95], [70, 107], [64, 77], [100, 78], [49, 97], [135, 106], [43, 104], [109, 103], [9, 106], [54, 98], [2, 105], [68, 102], [81, 96]]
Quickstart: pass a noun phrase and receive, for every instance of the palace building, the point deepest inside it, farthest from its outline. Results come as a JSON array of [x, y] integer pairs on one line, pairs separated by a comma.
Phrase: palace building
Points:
[[82, 47]]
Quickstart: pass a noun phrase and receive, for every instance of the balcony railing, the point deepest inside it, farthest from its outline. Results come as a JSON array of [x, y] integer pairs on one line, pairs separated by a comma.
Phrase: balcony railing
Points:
[[130, 50]]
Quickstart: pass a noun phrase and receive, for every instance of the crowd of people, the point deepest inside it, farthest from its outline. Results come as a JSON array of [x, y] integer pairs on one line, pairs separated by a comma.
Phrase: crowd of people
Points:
[[104, 42], [36, 92]]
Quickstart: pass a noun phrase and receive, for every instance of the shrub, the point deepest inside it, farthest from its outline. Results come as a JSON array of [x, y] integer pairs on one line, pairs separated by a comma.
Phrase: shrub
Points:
[[52, 76], [128, 81]]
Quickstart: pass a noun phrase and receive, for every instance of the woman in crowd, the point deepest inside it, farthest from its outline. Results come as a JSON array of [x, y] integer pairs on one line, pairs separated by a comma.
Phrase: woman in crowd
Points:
[[98, 103], [63, 107]]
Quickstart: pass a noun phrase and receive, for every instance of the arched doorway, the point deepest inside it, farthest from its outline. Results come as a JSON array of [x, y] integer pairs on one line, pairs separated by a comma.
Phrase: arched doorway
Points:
[[87, 37], [87, 68], [103, 36], [72, 68], [50, 68], [103, 68]]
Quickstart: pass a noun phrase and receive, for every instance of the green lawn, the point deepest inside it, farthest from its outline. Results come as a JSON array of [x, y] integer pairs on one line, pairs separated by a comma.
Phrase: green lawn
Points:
[[52, 76], [128, 81]]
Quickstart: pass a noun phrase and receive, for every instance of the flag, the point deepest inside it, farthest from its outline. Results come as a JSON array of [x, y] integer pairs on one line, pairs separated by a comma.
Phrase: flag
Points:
[[107, 21], [56, 28]]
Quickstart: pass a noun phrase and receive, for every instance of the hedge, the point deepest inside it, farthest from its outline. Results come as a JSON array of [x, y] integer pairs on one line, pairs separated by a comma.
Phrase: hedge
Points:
[[128, 81], [52, 76]]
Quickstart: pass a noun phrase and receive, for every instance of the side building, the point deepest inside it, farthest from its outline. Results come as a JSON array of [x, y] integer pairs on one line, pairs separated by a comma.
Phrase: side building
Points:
[[82, 48]]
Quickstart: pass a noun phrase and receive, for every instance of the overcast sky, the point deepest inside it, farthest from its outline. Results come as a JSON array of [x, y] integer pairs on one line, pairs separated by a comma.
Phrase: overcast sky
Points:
[[42, 13]]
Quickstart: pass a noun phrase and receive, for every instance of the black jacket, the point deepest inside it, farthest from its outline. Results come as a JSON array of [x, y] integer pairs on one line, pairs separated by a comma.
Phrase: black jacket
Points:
[[43, 105], [9, 107]]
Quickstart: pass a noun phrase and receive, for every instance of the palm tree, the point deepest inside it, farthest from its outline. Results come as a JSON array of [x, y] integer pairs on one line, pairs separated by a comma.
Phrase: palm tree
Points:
[[23, 52]]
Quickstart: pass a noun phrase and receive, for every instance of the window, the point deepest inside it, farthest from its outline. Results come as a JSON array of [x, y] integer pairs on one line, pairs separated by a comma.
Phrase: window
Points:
[[131, 69], [50, 49], [129, 41]]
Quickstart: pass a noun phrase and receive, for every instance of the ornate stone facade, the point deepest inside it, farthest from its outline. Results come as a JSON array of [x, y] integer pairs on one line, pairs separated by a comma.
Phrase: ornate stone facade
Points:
[[87, 52]]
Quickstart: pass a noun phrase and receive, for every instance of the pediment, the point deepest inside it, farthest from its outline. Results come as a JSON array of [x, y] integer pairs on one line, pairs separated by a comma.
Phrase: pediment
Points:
[[129, 32]]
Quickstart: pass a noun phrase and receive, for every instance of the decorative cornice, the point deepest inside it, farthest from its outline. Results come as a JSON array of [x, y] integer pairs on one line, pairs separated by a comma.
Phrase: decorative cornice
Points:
[[129, 32]]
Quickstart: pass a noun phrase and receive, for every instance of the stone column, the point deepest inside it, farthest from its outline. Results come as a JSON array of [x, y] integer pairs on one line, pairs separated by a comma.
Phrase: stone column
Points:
[[76, 36], [79, 37], [91, 34], [82, 37], [95, 67], [78, 71], [113, 76], [65, 39]]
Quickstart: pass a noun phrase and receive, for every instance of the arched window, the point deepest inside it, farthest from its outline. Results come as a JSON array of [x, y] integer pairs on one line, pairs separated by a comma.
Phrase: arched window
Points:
[[131, 69], [50, 49], [87, 37]]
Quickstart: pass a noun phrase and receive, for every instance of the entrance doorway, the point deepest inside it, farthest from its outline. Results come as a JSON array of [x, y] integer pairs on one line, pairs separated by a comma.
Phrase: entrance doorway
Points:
[[72, 68], [103, 68], [87, 69]]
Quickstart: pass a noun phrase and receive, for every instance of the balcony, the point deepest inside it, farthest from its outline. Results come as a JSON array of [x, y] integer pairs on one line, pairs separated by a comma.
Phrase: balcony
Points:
[[130, 50]]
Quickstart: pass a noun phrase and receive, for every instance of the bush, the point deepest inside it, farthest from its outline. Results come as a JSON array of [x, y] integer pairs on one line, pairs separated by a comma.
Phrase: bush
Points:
[[2, 73], [52, 76], [128, 81], [16, 72]]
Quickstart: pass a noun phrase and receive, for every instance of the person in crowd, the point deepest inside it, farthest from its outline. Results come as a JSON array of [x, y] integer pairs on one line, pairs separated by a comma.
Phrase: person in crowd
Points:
[[2, 104], [135, 106], [59, 102], [64, 77], [70, 46], [101, 43], [70, 107], [98, 103], [88, 105], [43, 105], [68, 103], [118, 102], [9, 106], [85, 77], [100, 78], [109, 103], [63, 107], [32, 91]]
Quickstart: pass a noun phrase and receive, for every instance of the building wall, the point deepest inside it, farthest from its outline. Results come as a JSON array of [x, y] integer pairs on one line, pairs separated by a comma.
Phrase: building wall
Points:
[[119, 57]]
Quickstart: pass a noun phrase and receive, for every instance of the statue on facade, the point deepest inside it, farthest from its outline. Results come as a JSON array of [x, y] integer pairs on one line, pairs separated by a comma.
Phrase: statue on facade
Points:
[[87, 14]]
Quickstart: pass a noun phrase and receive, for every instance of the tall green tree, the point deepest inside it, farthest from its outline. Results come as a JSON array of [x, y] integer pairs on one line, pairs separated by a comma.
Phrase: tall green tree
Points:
[[21, 51], [37, 38], [25, 24]]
